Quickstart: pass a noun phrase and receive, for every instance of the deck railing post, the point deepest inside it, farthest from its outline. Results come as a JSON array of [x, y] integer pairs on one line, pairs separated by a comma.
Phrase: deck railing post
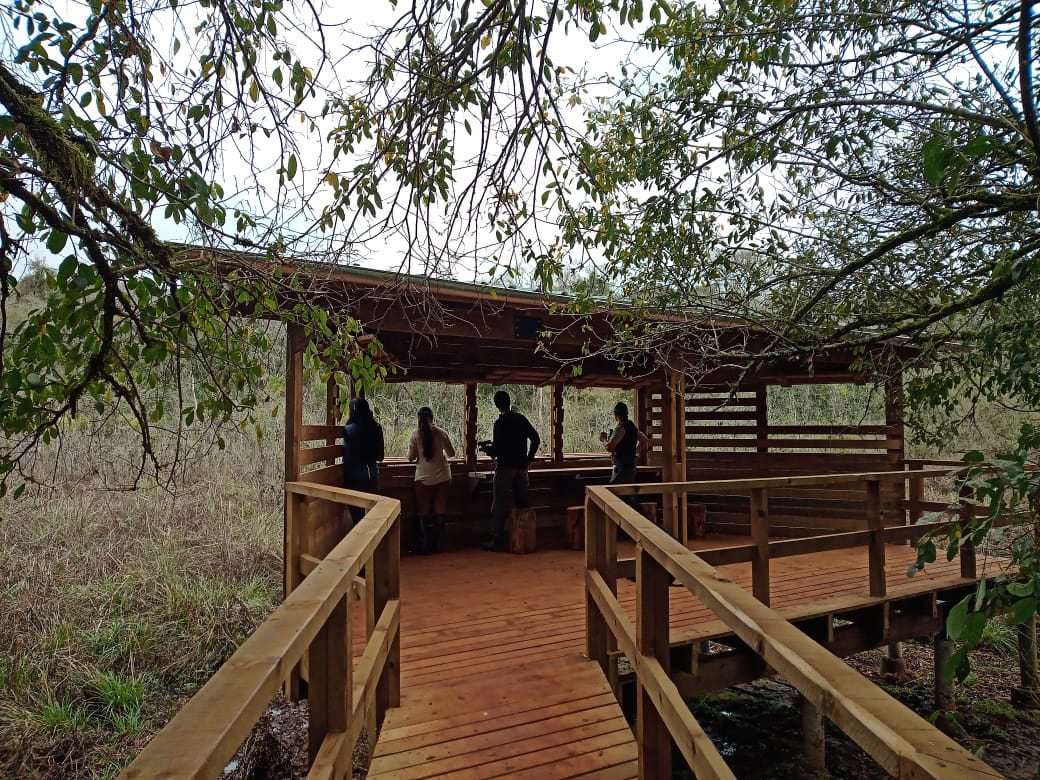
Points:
[[293, 522], [876, 550], [596, 645], [329, 677], [655, 743], [386, 566], [967, 548], [915, 492], [760, 538]]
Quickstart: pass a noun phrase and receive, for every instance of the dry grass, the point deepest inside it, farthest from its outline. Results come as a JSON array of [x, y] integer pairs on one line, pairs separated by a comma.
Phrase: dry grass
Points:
[[119, 605]]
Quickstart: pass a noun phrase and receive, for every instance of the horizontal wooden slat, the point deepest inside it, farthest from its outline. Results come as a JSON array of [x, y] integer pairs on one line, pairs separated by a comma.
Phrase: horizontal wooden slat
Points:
[[320, 432], [320, 455], [723, 441]]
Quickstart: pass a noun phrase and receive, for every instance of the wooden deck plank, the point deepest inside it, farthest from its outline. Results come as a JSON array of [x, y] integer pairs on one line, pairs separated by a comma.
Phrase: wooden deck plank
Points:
[[493, 679]]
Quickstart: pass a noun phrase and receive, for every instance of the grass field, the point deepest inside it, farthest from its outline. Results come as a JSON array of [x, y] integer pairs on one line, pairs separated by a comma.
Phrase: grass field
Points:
[[118, 605]]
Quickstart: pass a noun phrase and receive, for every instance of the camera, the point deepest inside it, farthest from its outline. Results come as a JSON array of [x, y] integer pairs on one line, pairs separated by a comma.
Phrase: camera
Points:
[[487, 447]]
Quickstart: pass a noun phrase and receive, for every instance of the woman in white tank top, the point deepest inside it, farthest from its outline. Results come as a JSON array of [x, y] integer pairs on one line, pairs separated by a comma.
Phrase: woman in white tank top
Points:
[[429, 448]]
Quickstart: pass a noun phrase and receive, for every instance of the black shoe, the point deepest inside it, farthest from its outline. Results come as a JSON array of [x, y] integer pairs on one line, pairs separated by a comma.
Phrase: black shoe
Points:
[[493, 546]]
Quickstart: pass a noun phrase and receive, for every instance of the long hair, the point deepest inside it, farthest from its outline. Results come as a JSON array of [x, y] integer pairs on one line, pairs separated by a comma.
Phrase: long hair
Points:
[[426, 431], [358, 411]]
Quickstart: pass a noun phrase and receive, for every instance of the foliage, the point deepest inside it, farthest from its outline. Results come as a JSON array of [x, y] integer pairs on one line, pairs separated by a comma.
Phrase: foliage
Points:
[[1007, 487], [118, 118]]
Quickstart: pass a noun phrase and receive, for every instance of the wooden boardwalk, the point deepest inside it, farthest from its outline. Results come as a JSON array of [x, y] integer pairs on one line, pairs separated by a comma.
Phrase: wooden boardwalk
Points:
[[493, 680]]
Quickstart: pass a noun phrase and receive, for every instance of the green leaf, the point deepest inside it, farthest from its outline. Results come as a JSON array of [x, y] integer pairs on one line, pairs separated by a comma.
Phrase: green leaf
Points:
[[957, 620], [290, 166], [1021, 589], [56, 241], [1021, 611], [936, 160]]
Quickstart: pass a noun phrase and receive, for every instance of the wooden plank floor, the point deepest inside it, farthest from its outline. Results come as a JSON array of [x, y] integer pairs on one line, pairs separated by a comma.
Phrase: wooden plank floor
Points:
[[493, 680]]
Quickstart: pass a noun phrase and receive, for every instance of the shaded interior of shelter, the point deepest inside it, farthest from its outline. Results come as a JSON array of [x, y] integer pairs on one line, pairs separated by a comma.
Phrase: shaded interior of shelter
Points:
[[701, 424]]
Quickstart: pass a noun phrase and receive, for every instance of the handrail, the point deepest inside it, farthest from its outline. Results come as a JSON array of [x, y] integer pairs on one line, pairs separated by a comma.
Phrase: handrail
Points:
[[313, 622], [902, 742]]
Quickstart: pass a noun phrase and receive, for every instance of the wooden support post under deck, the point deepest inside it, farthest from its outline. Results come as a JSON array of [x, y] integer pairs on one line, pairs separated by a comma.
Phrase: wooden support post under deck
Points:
[[876, 550], [1027, 696], [557, 417], [655, 744], [945, 698], [469, 426], [760, 538], [814, 746], [894, 663]]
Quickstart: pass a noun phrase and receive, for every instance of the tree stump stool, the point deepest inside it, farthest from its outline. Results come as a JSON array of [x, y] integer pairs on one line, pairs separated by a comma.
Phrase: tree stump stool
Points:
[[522, 531], [697, 520], [576, 527]]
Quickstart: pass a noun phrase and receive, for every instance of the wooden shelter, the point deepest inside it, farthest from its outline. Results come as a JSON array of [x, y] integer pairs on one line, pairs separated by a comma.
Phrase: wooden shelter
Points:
[[472, 664], [718, 427]]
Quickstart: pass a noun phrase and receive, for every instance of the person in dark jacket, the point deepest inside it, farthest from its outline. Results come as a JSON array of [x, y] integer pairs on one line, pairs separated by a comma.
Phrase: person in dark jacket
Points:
[[362, 451], [625, 445], [515, 442]]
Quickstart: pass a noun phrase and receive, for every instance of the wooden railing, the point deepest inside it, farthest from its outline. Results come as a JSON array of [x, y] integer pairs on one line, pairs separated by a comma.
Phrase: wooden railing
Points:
[[313, 622], [903, 743]]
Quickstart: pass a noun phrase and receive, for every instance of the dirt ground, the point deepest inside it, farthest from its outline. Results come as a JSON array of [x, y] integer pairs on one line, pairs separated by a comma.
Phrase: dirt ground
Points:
[[757, 727]]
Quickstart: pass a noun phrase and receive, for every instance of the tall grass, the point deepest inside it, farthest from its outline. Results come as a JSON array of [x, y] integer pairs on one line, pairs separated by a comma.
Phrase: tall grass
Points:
[[116, 605]]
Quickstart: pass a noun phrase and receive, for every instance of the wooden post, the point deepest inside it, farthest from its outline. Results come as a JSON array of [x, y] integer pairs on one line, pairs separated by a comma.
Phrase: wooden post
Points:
[[761, 419], [293, 514], [915, 495], [1027, 696], [945, 700], [669, 442], [600, 556], [814, 746], [655, 744], [329, 679], [967, 550], [894, 428], [469, 426], [294, 509], [641, 416], [386, 585], [331, 406], [876, 551], [556, 442], [894, 663], [760, 538], [681, 457]]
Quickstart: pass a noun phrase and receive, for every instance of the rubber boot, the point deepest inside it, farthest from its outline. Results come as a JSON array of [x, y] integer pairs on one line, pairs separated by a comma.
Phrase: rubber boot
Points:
[[436, 533], [432, 536], [422, 539]]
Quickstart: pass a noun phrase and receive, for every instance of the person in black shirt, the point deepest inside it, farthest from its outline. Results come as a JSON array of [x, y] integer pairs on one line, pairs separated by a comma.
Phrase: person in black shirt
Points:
[[515, 443], [362, 451], [625, 445]]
